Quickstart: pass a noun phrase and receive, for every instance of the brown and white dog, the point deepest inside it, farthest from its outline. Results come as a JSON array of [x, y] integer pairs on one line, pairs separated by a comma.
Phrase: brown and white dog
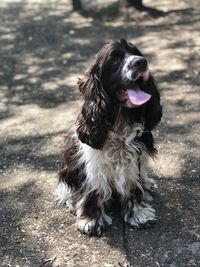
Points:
[[106, 155]]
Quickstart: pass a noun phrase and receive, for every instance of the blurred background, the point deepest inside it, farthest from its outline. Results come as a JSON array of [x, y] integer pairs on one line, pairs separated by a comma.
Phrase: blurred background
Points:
[[45, 45]]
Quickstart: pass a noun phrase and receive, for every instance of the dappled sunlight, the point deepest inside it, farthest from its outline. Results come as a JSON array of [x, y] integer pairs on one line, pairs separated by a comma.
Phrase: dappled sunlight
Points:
[[166, 5], [45, 48], [7, 37], [170, 164], [43, 72], [11, 179], [31, 119]]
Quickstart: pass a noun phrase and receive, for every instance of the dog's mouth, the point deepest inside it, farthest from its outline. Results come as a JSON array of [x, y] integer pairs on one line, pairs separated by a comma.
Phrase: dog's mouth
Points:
[[133, 95]]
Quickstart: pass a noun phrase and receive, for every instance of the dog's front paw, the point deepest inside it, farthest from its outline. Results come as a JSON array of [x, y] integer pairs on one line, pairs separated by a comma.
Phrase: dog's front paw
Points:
[[141, 216], [90, 226]]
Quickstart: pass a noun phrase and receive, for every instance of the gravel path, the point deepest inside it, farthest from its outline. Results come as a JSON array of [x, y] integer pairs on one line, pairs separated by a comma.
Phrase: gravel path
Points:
[[44, 47]]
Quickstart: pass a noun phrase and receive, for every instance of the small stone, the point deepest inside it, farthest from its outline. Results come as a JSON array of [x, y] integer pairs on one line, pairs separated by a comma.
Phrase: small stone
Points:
[[71, 32]]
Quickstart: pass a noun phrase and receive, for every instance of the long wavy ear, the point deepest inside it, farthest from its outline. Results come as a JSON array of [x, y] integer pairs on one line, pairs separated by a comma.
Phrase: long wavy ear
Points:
[[153, 108], [96, 117]]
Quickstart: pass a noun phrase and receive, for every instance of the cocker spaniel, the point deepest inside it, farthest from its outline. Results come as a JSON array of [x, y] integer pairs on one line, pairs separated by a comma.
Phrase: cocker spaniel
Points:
[[106, 155]]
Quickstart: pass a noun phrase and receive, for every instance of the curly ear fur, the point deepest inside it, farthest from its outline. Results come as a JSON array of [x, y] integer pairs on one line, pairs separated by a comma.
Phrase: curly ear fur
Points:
[[95, 118], [153, 108]]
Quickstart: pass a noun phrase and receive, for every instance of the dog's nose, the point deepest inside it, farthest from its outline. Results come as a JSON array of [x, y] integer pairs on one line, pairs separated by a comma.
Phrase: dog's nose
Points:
[[140, 63]]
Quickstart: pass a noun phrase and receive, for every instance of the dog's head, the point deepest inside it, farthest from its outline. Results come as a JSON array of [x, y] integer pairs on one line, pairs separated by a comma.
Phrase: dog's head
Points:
[[118, 80]]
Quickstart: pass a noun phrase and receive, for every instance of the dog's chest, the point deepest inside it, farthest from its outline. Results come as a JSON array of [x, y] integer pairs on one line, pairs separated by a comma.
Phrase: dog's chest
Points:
[[114, 167]]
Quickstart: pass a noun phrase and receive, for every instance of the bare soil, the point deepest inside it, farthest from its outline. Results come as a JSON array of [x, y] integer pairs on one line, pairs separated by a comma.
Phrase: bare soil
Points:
[[44, 47]]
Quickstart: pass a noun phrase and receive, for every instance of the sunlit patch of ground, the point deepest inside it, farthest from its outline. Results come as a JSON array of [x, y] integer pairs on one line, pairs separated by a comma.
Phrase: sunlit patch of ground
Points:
[[44, 49]]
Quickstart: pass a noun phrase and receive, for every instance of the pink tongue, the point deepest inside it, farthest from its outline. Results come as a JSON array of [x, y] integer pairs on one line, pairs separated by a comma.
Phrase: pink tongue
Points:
[[138, 97]]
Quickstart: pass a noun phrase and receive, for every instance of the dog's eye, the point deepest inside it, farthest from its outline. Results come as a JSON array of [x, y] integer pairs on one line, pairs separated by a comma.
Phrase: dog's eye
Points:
[[115, 60]]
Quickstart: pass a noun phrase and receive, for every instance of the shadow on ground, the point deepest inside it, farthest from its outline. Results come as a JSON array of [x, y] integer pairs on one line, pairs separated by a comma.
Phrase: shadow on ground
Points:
[[44, 48]]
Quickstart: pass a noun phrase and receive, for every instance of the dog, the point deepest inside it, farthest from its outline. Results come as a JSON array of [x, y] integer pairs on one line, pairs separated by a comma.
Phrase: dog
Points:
[[106, 155]]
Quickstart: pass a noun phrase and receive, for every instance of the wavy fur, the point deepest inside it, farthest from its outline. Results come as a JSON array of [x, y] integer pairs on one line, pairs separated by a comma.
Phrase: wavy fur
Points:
[[107, 154]]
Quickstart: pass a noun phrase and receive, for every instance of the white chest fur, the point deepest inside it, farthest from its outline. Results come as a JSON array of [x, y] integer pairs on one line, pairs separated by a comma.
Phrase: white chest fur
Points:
[[116, 166]]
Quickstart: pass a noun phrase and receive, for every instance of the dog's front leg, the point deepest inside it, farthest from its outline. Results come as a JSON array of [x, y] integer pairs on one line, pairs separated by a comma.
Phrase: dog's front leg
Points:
[[91, 216], [138, 214]]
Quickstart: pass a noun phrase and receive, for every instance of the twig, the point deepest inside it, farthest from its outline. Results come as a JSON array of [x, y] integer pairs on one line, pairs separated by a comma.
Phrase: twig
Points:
[[48, 260]]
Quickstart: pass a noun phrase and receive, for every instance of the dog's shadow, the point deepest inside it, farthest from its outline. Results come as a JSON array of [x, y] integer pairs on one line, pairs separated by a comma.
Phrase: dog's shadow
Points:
[[147, 244]]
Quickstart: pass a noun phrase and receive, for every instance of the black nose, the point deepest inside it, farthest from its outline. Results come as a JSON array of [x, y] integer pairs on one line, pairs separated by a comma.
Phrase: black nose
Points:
[[140, 63]]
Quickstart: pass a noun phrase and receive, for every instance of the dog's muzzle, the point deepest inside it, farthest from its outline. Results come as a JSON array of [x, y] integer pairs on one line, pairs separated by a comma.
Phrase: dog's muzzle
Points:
[[135, 67]]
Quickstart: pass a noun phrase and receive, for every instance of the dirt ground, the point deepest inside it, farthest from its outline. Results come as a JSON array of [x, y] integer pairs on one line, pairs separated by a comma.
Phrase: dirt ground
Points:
[[44, 47]]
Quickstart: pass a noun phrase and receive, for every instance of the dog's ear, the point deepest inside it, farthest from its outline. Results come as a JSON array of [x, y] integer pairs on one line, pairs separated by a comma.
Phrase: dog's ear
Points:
[[95, 118], [153, 108]]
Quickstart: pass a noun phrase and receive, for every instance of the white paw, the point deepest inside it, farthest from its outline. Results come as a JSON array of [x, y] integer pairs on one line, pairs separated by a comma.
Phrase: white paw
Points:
[[93, 226], [89, 227], [142, 215]]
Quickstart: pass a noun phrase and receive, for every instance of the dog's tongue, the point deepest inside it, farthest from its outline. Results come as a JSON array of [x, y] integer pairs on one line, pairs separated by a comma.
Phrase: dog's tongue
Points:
[[137, 97]]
